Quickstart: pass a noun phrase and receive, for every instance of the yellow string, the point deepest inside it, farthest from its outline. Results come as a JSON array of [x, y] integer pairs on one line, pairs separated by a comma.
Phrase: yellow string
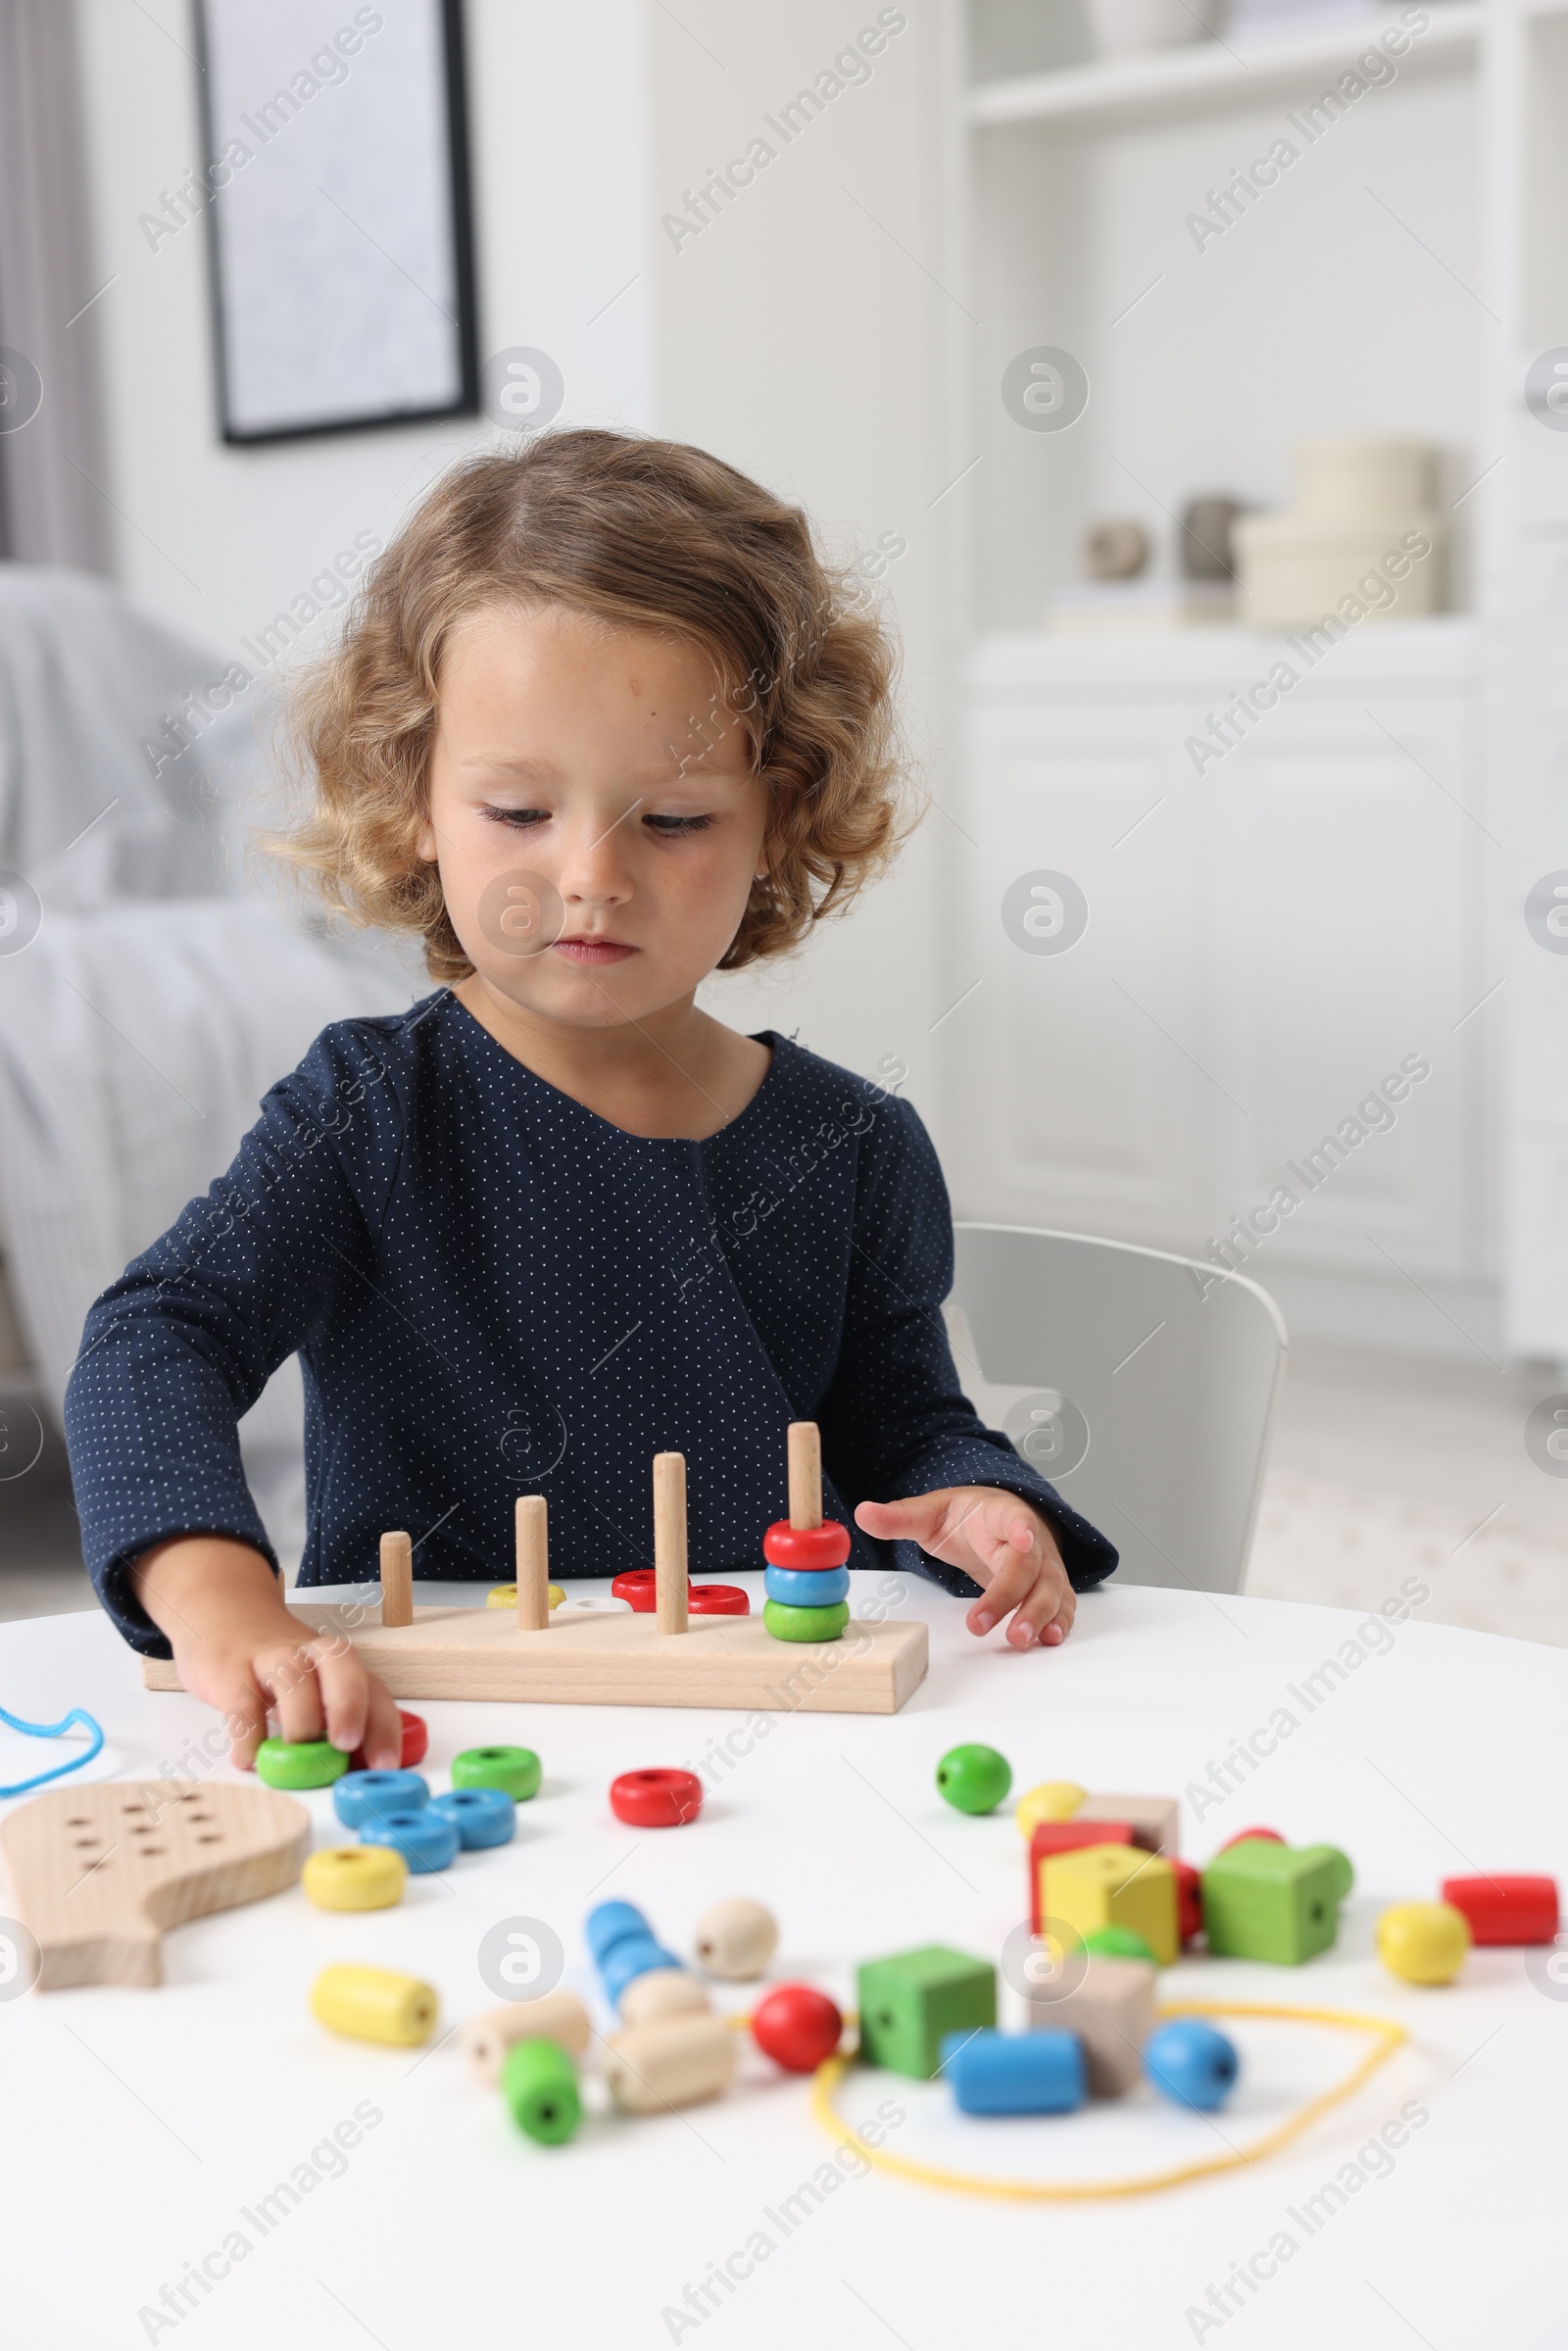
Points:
[[1044, 2191]]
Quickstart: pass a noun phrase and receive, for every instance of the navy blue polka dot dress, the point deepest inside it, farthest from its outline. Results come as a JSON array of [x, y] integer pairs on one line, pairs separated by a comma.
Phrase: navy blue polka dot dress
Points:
[[492, 1292]]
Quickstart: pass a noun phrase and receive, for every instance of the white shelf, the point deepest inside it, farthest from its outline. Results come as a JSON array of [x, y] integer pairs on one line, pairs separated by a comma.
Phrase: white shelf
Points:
[[1210, 74], [1440, 656]]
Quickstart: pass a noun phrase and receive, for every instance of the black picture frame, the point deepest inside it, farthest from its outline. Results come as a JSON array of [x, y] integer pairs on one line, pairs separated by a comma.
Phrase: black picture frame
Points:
[[374, 417]]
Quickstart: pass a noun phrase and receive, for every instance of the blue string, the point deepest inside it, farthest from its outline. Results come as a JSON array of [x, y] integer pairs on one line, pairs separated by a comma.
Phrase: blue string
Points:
[[78, 1714]]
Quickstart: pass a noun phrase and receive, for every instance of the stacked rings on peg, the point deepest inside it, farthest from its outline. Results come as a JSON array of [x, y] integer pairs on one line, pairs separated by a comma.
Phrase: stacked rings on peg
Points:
[[806, 1582]]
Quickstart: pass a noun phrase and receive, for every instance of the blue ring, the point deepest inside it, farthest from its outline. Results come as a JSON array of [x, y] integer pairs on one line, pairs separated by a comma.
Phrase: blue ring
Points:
[[611, 1923], [808, 1586], [637, 1956], [368, 1795], [481, 1816], [426, 1840]]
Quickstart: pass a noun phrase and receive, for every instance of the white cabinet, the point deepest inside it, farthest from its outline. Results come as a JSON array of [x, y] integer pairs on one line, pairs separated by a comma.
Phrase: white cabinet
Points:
[[1267, 942]]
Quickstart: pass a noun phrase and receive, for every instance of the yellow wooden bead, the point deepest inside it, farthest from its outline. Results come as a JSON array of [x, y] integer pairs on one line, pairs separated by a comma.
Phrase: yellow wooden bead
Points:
[[1053, 1800], [504, 1595], [355, 1878], [1423, 1943], [374, 2004]]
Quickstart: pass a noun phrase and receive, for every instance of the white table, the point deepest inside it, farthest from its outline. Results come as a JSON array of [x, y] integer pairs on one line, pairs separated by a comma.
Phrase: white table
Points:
[[139, 2126]]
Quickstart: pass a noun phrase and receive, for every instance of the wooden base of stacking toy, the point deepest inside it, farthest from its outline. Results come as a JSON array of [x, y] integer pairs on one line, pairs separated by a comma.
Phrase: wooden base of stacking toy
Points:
[[96, 1874], [579, 1655]]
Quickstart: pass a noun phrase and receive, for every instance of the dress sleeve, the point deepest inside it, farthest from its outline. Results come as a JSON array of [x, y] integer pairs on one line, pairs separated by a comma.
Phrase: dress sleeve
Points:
[[182, 1344], [895, 1421]]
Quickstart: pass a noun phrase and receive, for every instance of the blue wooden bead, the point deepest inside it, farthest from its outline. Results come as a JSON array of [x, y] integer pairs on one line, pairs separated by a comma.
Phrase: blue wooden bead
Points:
[[635, 1957], [611, 1923], [481, 1816], [1015, 2072], [807, 1588], [427, 1839], [1192, 2064], [359, 1794]]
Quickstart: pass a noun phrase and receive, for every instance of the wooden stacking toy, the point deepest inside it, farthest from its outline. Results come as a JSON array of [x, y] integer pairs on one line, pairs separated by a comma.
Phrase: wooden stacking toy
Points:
[[808, 1583], [590, 1653]]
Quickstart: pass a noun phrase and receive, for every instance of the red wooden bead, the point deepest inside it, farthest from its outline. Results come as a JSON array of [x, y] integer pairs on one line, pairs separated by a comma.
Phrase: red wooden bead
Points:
[[1067, 1836], [1507, 1910], [797, 2025], [1270, 1836], [717, 1599], [811, 1547], [1189, 1898], [656, 1798], [416, 1741]]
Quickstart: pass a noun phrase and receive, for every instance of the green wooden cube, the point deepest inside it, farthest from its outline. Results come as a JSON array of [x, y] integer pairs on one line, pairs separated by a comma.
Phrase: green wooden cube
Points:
[[1276, 1902], [909, 2002]]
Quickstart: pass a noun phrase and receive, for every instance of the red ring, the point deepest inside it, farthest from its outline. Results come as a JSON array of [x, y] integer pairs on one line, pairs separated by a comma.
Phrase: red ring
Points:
[[656, 1798], [416, 1741], [717, 1599], [811, 1547], [636, 1583]]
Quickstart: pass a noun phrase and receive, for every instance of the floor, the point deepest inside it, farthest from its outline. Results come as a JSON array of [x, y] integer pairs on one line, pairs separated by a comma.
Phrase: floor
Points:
[[1381, 1469]]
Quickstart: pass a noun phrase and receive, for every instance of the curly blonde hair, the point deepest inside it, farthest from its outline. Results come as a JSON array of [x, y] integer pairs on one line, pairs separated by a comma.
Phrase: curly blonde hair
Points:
[[643, 533]]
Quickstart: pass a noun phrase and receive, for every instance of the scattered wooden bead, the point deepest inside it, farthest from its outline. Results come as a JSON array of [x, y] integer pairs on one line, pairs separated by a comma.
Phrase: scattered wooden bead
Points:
[[355, 1878], [1192, 2063], [1114, 1885], [539, 2083], [797, 2025], [1270, 1836], [481, 1816], [1015, 2072], [656, 1798], [516, 1771], [1051, 1800], [812, 1549], [558, 2016], [1423, 1943], [359, 1794], [426, 1840], [675, 2061], [1111, 2006], [637, 1955], [611, 1923], [1047, 1839], [736, 1940], [973, 1778], [1156, 1820], [662, 1991], [911, 1998], [298, 1763], [1507, 1910], [1189, 1898], [1119, 1942], [371, 2004]]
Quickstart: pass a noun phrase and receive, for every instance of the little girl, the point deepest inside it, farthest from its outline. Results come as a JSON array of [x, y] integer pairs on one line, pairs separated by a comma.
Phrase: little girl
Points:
[[601, 723]]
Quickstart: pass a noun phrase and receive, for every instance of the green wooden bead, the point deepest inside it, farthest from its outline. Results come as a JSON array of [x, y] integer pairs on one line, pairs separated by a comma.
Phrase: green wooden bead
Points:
[[973, 1778], [300, 1762], [539, 2083], [516, 1771], [805, 1624], [1120, 1943], [911, 1999]]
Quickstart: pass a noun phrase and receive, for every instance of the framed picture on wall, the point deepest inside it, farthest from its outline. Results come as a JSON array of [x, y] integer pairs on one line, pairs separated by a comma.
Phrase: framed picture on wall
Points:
[[337, 208]]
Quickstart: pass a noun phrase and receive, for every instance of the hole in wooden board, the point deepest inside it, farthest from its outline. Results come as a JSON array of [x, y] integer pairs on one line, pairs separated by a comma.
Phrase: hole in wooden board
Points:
[[79, 1820], [150, 1853], [213, 1839]]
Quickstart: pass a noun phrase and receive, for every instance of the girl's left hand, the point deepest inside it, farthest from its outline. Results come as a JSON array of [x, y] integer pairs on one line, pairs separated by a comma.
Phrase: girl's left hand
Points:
[[1002, 1541]]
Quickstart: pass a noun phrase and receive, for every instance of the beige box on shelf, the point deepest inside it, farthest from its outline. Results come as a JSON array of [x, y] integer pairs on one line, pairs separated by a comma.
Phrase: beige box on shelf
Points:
[[1364, 525]]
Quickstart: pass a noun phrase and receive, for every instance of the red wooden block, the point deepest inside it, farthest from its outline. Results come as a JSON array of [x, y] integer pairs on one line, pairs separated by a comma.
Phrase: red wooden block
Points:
[[1067, 1836], [1189, 1898], [656, 1798], [1270, 1836], [1507, 1910], [812, 1548]]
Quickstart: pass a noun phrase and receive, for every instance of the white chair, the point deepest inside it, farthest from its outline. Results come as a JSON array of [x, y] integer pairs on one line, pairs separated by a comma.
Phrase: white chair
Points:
[[1141, 1385]]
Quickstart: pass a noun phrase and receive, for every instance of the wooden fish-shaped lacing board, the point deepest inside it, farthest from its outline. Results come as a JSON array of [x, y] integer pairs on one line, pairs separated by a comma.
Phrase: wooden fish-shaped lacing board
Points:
[[97, 1874]]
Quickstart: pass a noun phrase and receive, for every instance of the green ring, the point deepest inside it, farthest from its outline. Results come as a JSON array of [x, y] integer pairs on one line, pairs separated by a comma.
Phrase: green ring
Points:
[[300, 1762], [516, 1771], [805, 1624]]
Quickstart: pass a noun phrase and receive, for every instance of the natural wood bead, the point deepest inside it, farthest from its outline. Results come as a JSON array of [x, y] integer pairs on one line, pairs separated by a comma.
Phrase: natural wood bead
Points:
[[662, 1992], [560, 2017], [736, 1940], [674, 2061]]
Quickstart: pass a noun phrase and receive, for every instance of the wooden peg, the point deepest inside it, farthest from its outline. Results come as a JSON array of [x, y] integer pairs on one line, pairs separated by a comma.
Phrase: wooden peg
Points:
[[533, 1563], [396, 1580], [805, 1474], [669, 1540]]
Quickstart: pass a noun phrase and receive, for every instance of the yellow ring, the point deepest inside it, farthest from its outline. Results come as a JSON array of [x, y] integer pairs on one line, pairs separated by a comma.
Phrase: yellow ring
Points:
[[504, 1595], [1046, 2191], [355, 1878]]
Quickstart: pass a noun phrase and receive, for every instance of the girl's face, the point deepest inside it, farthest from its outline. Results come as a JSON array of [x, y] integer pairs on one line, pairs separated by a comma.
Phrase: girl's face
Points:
[[595, 818]]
